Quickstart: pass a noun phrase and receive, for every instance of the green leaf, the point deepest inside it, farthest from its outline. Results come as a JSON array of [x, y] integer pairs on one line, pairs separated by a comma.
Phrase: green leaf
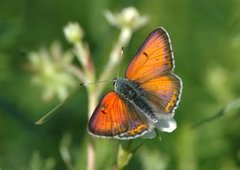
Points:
[[57, 108]]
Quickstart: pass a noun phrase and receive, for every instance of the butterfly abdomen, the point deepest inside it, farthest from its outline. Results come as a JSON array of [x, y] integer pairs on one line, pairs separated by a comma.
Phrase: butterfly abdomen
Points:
[[130, 90]]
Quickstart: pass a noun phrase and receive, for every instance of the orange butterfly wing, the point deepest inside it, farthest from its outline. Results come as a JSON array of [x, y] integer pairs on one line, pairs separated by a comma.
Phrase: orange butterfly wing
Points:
[[115, 117], [163, 92], [153, 59], [152, 68]]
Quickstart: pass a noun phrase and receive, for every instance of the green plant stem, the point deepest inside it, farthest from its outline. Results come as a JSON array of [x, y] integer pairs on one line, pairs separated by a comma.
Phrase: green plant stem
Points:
[[115, 57], [123, 157], [126, 150], [92, 102], [83, 54]]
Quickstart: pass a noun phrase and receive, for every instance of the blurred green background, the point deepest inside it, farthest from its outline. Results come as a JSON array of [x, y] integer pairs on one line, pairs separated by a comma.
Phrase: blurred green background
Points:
[[206, 41]]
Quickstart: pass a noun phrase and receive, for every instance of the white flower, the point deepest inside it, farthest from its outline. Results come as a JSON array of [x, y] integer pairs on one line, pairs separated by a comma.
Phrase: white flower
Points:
[[128, 18], [50, 71], [73, 32]]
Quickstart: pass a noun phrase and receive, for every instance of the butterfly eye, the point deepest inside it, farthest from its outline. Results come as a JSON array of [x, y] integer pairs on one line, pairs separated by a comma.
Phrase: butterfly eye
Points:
[[114, 81]]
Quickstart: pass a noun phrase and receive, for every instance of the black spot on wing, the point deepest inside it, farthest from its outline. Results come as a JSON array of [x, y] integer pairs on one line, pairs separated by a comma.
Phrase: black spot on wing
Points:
[[103, 108], [146, 55]]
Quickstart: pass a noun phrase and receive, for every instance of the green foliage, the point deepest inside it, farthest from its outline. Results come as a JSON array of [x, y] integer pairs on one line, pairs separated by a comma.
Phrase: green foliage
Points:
[[36, 163]]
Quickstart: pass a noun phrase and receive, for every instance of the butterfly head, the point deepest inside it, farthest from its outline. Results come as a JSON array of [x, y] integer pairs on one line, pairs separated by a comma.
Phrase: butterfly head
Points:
[[114, 81], [118, 84]]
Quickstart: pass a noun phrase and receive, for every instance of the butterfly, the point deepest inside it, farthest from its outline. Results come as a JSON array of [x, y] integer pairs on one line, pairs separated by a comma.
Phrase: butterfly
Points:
[[146, 98]]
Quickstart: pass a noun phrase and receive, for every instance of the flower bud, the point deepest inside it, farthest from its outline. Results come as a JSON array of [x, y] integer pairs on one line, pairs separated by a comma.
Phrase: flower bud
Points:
[[128, 18], [73, 32]]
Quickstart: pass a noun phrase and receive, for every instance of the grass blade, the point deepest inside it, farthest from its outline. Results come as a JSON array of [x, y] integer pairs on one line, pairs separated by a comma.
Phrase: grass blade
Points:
[[235, 104], [58, 107]]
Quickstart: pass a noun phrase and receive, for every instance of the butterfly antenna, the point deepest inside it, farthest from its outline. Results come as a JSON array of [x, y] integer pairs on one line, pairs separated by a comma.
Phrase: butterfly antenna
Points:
[[120, 62], [97, 82], [106, 81]]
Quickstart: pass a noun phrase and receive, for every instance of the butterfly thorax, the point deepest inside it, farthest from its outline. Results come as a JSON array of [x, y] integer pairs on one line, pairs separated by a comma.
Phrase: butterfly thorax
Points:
[[128, 89], [131, 91]]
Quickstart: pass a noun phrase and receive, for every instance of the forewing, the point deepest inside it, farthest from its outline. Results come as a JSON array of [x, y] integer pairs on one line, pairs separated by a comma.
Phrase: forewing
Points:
[[115, 117], [153, 59], [163, 93]]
